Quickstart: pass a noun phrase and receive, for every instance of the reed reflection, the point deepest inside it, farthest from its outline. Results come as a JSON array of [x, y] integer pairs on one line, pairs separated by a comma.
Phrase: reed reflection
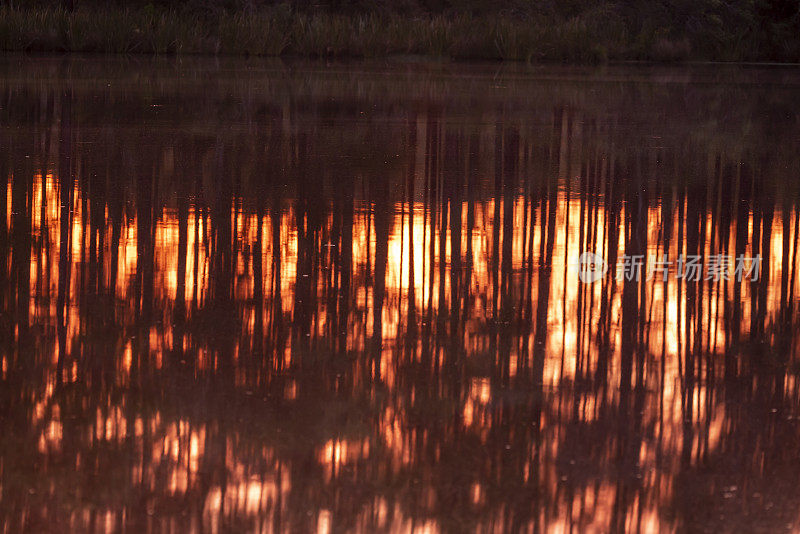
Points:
[[306, 325]]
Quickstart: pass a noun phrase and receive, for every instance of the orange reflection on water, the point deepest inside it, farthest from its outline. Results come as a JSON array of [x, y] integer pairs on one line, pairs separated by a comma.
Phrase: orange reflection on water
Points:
[[418, 275], [235, 336]]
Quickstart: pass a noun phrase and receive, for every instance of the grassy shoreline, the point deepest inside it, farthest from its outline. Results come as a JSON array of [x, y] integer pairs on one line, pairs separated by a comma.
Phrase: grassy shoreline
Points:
[[593, 36]]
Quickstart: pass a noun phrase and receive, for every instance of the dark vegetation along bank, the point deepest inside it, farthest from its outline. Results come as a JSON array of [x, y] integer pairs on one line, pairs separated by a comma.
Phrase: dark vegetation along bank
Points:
[[540, 30]]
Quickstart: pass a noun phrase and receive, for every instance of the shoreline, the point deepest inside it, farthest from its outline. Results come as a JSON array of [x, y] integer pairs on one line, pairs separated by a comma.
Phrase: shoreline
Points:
[[588, 38]]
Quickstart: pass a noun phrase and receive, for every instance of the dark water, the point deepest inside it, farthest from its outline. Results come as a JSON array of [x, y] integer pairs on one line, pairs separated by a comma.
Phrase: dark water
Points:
[[246, 296]]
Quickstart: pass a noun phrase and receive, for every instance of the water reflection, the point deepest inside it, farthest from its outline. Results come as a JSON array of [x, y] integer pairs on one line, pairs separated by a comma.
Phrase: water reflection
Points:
[[331, 299]]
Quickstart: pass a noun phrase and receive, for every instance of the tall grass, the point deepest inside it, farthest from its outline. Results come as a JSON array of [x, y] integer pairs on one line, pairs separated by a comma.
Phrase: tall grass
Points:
[[125, 31], [594, 35]]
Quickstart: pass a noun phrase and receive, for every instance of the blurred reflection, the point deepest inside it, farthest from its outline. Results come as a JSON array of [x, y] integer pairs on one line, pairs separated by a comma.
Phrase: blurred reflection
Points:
[[322, 300]]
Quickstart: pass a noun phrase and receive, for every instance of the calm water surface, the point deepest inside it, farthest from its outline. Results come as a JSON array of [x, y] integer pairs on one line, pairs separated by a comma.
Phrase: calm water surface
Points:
[[248, 296]]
